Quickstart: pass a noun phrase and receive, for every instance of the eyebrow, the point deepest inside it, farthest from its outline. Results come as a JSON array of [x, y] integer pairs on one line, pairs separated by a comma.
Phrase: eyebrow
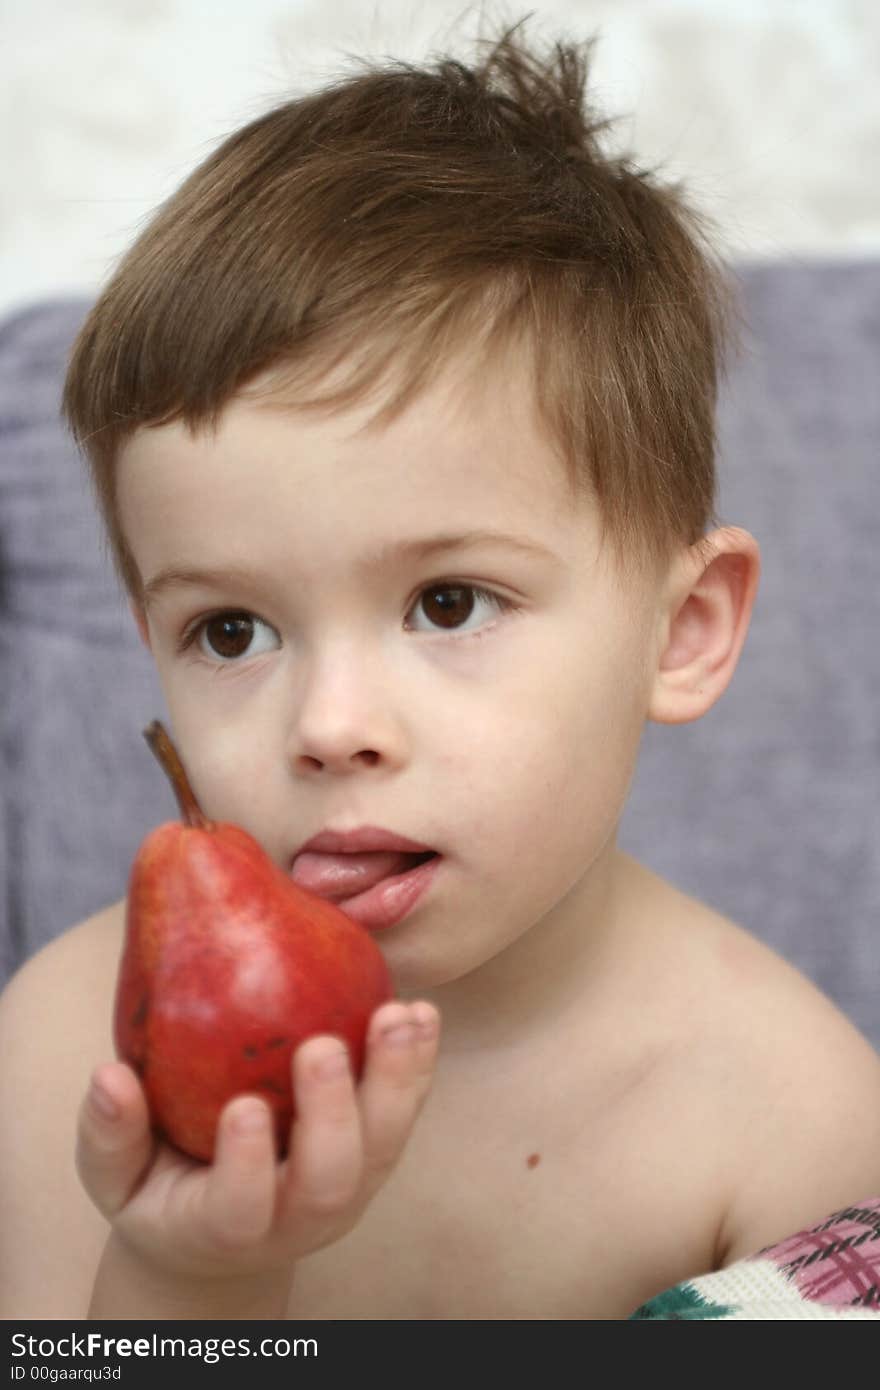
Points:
[[177, 576]]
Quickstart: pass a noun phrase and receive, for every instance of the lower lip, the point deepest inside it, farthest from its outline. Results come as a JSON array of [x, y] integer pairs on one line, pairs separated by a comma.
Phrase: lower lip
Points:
[[389, 902]]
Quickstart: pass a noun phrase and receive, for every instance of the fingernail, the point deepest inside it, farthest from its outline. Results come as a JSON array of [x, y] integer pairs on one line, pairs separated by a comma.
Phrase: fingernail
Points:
[[401, 1035], [249, 1119], [102, 1102], [333, 1065], [427, 1020]]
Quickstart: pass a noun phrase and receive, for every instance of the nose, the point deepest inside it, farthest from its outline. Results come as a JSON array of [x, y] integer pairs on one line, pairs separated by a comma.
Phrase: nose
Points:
[[345, 719]]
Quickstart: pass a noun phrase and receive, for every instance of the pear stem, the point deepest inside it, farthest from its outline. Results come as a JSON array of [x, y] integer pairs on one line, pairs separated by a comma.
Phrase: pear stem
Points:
[[169, 759]]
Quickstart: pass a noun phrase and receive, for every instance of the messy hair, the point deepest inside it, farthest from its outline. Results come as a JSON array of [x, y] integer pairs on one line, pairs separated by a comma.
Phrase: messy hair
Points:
[[364, 234]]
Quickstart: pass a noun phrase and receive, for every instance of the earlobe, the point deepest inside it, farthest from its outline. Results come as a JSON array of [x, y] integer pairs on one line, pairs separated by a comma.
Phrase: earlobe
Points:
[[706, 620]]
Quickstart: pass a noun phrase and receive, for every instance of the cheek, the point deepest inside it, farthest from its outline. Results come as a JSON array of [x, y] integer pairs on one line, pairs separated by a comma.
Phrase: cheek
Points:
[[231, 775], [597, 767], [553, 775]]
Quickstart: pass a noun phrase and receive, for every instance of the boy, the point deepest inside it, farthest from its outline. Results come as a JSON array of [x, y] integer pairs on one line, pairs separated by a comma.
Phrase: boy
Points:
[[400, 417]]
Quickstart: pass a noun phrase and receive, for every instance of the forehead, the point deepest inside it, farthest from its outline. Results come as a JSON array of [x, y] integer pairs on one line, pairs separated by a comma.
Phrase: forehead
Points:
[[469, 452]]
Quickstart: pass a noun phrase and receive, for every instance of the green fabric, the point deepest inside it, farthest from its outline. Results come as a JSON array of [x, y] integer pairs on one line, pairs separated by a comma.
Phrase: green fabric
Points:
[[680, 1304]]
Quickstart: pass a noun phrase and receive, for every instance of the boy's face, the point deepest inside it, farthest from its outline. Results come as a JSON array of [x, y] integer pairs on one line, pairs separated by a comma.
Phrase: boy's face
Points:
[[371, 685]]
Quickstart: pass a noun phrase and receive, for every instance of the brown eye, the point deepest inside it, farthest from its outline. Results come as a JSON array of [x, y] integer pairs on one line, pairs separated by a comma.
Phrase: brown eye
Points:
[[230, 636], [448, 607]]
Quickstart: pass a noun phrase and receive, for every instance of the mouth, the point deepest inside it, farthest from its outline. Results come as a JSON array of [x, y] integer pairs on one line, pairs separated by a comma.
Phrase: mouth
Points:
[[376, 888]]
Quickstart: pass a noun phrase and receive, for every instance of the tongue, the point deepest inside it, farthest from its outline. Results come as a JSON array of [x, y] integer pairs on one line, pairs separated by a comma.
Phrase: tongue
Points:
[[343, 875]]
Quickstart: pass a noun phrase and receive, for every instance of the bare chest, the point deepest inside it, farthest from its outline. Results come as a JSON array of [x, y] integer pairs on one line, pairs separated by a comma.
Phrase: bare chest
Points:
[[538, 1210]]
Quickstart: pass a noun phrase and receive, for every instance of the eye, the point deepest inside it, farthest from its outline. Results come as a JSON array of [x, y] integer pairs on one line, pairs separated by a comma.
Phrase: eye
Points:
[[230, 636], [449, 606]]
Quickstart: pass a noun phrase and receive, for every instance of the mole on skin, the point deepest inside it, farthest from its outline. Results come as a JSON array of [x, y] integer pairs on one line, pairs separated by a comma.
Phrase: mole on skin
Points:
[[533, 1160]]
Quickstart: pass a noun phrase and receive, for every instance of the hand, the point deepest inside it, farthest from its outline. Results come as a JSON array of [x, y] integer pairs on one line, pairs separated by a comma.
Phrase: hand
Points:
[[247, 1214]]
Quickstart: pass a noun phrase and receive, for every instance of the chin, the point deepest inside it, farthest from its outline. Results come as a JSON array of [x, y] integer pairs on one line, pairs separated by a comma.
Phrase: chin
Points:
[[415, 969]]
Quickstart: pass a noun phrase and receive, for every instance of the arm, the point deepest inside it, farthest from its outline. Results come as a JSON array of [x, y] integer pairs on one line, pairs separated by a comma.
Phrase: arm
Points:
[[126, 1287], [811, 1139], [51, 1028]]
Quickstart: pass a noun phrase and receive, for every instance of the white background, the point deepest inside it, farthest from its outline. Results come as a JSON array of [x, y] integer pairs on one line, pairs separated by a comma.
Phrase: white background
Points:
[[770, 109]]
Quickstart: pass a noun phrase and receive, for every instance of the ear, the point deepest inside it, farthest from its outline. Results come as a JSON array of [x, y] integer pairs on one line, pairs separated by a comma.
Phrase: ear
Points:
[[704, 626], [140, 620]]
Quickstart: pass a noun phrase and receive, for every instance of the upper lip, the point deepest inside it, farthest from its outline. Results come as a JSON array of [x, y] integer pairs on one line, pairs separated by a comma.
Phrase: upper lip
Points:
[[361, 841]]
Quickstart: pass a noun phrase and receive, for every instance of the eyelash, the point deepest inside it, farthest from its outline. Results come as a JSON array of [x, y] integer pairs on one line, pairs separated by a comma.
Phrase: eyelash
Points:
[[191, 635]]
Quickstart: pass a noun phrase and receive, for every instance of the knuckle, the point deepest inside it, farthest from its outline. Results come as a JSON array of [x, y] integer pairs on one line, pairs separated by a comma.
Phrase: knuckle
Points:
[[386, 1143], [90, 1158], [401, 1085], [410, 1073], [382, 1165], [338, 1126], [333, 1200], [229, 1237], [411, 1088]]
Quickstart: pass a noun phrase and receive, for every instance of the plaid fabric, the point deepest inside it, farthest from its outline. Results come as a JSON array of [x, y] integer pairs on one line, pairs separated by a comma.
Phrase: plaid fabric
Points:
[[831, 1270]]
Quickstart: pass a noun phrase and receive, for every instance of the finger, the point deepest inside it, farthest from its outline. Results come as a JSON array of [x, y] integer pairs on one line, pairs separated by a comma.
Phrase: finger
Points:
[[114, 1141], [401, 1054], [326, 1151], [239, 1196]]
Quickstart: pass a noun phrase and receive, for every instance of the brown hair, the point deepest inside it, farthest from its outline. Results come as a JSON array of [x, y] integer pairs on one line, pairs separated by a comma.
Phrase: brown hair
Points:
[[396, 215]]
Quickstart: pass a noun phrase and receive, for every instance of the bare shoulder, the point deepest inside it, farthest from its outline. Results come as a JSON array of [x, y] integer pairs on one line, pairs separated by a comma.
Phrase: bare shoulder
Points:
[[64, 993], [90, 949], [55, 1026], [800, 1084]]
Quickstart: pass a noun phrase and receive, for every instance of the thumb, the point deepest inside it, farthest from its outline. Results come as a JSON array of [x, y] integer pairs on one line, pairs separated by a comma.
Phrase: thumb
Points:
[[114, 1140]]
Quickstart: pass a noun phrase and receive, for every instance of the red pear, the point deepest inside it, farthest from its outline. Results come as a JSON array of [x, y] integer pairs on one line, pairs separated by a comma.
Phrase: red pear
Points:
[[227, 966]]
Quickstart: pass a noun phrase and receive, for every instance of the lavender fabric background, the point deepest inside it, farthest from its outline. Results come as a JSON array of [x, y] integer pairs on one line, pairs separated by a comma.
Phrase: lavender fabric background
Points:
[[767, 808]]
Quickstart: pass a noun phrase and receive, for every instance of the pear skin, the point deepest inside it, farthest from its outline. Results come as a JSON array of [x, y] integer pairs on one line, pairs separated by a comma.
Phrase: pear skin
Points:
[[227, 966]]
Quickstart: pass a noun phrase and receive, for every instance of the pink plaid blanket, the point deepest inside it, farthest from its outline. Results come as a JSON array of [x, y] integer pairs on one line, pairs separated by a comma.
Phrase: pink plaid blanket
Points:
[[831, 1270]]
